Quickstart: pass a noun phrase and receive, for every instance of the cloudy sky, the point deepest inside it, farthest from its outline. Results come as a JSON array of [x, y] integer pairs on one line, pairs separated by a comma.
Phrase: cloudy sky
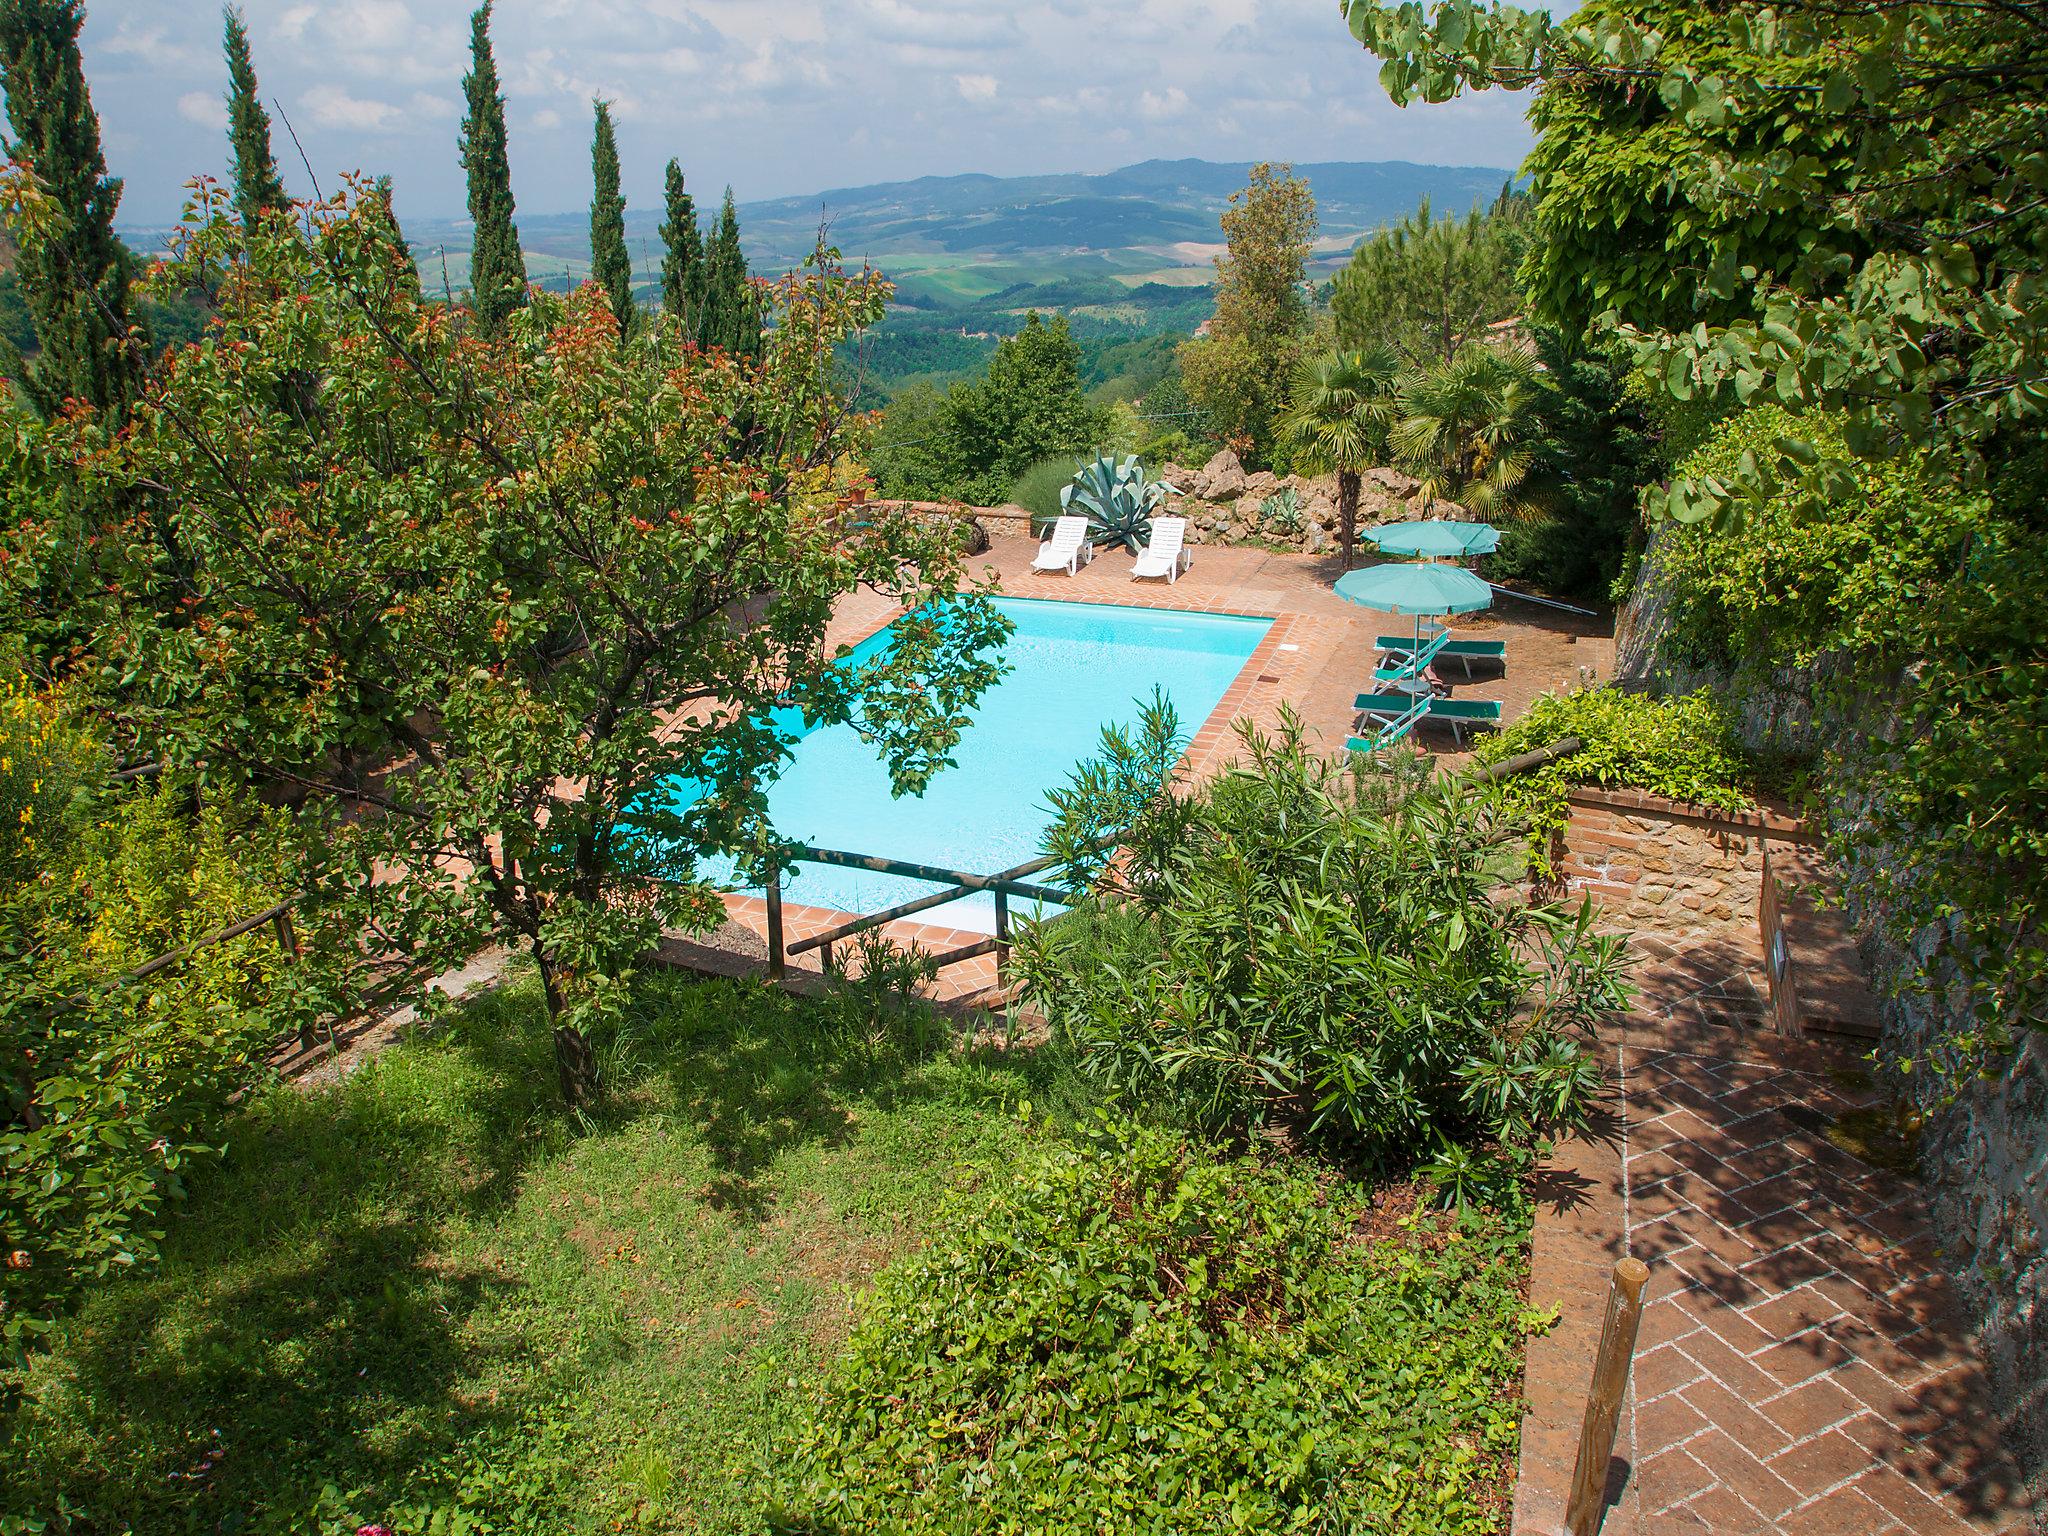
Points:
[[776, 97]]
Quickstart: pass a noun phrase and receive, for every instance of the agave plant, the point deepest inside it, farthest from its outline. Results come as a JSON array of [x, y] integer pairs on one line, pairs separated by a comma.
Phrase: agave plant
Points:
[[1117, 500]]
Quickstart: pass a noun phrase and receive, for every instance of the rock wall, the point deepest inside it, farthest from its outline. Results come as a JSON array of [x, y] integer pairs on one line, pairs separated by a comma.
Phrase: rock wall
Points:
[[1225, 504], [1678, 871], [1984, 1139]]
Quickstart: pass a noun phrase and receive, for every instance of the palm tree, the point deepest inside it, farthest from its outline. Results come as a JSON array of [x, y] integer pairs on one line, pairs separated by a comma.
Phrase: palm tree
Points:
[[1463, 428], [1337, 420]]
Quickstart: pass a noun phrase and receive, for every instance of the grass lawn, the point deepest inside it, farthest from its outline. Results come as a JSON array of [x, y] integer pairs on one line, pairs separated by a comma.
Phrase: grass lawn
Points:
[[426, 1299], [424, 1289]]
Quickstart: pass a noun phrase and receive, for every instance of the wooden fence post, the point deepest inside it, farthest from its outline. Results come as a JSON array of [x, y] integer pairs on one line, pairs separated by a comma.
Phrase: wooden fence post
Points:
[[775, 960], [1603, 1403], [1002, 934]]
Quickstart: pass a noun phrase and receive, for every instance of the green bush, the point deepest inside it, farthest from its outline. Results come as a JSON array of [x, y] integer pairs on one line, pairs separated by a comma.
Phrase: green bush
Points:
[[1683, 748], [1138, 1335], [112, 1091], [1796, 581], [1038, 488], [1315, 947]]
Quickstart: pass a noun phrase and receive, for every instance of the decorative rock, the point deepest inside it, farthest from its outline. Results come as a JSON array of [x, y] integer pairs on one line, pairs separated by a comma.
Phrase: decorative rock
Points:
[[1262, 483], [1222, 478], [1393, 481]]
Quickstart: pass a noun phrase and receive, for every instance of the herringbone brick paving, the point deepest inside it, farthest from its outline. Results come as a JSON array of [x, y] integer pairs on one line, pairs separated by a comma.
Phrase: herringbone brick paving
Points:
[[1802, 1368]]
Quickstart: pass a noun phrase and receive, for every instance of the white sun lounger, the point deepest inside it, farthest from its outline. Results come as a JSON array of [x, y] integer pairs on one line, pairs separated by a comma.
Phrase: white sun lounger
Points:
[[1165, 554], [1066, 548]]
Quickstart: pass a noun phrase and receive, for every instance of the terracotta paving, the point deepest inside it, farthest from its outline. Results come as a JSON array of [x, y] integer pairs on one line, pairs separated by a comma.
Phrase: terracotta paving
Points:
[[1801, 1367]]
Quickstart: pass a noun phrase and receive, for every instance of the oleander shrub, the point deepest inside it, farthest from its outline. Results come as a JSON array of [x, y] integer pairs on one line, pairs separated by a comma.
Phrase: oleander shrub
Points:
[[1136, 1333], [1325, 951]]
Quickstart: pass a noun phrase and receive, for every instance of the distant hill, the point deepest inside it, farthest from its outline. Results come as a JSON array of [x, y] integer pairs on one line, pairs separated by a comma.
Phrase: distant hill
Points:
[[952, 239], [1140, 210]]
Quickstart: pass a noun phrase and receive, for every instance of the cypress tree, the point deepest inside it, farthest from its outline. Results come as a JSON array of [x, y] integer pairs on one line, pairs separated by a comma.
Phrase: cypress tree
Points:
[[497, 270], [682, 262], [609, 263], [732, 319], [75, 279], [257, 184]]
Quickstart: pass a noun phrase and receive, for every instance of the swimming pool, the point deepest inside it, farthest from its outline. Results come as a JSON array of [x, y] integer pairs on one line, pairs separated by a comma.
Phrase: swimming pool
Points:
[[1074, 668]]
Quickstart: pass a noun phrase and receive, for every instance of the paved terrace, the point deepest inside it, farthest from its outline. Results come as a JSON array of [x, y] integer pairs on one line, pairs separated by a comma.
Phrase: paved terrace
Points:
[[1802, 1369]]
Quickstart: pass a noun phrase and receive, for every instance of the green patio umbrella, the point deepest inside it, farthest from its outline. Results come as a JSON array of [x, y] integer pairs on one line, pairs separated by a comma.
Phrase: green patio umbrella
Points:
[[1418, 589], [1437, 537]]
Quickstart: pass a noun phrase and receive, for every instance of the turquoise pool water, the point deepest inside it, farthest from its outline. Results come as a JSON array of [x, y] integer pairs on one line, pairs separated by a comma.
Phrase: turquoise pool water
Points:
[[1075, 667]]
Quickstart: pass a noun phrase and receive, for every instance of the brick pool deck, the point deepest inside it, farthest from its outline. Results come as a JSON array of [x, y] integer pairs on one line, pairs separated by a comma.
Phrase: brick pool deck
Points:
[[1802, 1369]]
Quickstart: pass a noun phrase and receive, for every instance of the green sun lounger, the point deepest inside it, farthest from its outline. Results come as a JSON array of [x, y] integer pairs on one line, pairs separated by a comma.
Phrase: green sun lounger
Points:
[[1409, 662], [1402, 712], [1392, 707], [1465, 651]]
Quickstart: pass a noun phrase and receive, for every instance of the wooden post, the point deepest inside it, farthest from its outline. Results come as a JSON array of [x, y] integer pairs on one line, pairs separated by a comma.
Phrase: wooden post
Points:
[[1002, 934], [1603, 1403], [288, 941], [775, 957]]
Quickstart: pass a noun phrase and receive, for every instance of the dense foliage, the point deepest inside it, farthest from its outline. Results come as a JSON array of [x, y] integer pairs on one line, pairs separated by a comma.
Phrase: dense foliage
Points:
[[1838, 210], [1315, 947], [1852, 582], [111, 1092], [972, 442], [1597, 447], [1141, 1336], [1683, 748]]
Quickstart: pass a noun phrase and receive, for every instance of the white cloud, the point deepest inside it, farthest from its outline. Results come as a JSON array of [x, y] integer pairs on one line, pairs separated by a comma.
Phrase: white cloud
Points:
[[1157, 106], [203, 108], [547, 117], [332, 107], [976, 87]]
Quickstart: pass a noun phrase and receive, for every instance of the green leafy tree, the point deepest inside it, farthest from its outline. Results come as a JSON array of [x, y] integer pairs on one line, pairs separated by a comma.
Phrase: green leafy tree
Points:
[[257, 183], [1029, 406], [1466, 428], [1239, 373], [497, 268], [1597, 449], [911, 454], [1337, 421], [682, 261], [505, 600], [1428, 286], [609, 263], [73, 272]]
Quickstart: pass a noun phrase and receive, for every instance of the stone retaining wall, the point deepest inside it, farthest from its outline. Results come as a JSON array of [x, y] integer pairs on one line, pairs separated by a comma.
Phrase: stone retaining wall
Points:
[[1668, 868]]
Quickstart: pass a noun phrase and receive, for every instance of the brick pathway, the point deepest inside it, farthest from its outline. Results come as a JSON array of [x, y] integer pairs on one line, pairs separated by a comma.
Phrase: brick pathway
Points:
[[1801, 1367]]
